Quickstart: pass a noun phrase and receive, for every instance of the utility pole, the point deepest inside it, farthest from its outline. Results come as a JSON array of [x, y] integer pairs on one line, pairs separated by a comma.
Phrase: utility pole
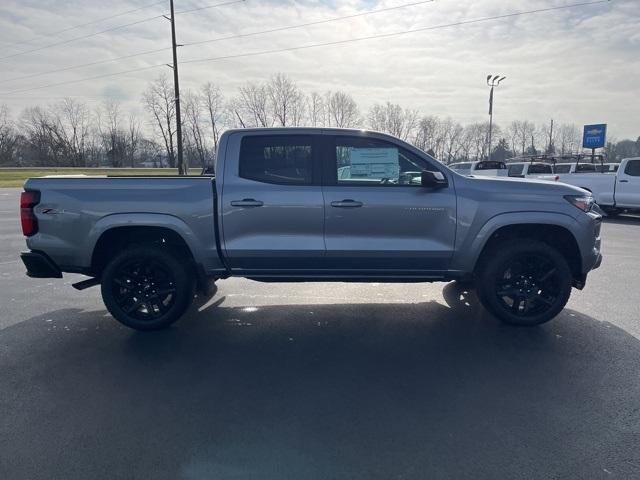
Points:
[[550, 137], [176, 87], [492, 82]]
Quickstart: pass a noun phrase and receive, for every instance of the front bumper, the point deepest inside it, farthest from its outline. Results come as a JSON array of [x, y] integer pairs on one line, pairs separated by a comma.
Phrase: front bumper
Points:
[[39, 265]]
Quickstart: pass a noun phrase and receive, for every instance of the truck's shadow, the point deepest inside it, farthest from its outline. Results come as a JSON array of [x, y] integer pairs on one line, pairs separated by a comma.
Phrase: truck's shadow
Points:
[[382, 391], [623, 220]]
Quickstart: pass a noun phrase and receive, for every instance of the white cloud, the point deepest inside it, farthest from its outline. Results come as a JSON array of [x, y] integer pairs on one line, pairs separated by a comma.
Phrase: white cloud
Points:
[[576, 65]]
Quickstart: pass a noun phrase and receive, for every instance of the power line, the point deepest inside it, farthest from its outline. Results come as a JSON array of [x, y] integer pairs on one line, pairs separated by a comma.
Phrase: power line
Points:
[[90, 64], [70, 40], [93, 22], [205, 7], [308, 24], [86, 79], [148, 52], [324, 44], [111, 29], [394, 34]]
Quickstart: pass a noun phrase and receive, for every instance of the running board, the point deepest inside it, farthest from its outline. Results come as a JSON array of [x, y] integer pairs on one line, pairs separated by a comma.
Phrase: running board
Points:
[[91, 282]]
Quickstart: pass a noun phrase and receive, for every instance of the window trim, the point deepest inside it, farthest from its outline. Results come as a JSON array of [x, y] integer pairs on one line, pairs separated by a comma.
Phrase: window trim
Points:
[[330, 170], [315, 171], [627, 167]]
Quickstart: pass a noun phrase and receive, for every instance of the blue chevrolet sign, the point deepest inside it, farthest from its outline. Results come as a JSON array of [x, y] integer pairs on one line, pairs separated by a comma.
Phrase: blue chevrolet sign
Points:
[[594, 136]]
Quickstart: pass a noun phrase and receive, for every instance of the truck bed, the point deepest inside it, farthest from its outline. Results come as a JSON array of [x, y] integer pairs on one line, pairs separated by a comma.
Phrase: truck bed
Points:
[[74, 212]]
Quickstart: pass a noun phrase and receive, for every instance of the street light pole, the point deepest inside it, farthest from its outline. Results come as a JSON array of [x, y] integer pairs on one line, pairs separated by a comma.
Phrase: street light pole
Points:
[[492, 82]]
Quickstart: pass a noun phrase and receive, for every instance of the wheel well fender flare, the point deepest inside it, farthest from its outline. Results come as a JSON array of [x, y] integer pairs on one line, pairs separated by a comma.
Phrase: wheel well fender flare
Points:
[[141, 220], [476, 245]]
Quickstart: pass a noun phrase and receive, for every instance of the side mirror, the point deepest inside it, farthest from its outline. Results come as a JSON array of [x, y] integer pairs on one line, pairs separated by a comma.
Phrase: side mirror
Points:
[[433, 179]]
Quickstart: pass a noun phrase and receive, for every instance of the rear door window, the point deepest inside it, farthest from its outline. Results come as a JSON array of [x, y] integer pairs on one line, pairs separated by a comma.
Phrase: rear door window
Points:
[[515, 170], [491, 166], [280, 159], [539, 169], [585, 168]]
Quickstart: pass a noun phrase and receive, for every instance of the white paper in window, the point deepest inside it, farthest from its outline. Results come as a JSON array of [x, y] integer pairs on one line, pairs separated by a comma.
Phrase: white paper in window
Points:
[[374, 163]]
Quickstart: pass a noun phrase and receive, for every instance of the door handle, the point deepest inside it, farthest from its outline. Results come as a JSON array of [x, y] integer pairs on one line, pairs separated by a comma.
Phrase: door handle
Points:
[[348, 203], [246, 202], [623, 181]]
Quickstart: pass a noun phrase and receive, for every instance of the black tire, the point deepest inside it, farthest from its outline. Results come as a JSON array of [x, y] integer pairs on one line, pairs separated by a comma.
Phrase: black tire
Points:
[[524, 282], [147, 288]]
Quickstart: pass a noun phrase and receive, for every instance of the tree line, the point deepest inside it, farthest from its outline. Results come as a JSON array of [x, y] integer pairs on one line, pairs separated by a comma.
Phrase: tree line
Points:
[[68, 133]]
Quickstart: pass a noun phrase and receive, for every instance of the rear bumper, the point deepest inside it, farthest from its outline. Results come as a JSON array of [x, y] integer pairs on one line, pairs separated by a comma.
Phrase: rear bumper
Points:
[[39, 265]]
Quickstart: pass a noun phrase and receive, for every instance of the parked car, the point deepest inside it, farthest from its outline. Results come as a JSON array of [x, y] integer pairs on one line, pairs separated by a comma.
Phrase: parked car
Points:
[[530, 170], [278, 210], [614, 192], [484, 168]]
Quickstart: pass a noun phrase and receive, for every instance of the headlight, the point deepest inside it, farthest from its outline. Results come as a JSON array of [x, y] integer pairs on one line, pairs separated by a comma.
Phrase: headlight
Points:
[[583, 202]]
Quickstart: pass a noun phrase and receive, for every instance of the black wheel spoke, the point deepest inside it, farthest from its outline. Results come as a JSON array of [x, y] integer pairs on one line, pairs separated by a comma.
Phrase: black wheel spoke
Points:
[[528, 285], [144, 288], [134, 306], [515, 306]]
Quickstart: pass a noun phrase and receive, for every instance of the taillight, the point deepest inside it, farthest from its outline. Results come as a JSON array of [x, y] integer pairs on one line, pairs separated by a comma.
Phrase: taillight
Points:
[[28, 200]]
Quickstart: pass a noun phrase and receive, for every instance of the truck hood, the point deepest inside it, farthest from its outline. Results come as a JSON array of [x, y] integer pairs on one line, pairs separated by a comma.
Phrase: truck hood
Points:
[[524, 185]]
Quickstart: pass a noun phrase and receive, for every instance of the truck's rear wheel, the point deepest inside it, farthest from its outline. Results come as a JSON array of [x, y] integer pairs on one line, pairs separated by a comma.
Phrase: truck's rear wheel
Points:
[[147, 288], [524, 283]]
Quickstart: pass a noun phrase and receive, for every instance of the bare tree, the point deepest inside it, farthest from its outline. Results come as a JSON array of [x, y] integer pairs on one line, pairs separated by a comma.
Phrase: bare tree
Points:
[[8, 138], [316, 110], [133, 139], [286, 100], [341, 110], [158, 99], [451, 136], [42, 144], [393, 119], [214, 104], [193, 122], [114, 138], [73, 121], [251, 107], [567, 138]]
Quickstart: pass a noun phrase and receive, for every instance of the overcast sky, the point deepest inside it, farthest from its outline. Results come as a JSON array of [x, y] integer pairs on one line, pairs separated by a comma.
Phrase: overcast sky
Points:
[[579, 65]]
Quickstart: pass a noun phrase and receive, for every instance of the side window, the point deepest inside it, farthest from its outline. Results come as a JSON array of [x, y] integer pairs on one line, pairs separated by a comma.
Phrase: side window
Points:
[[515, 170], [367, 161], [540, 169], [633, 168], [585, 167], [562, 168], [283, 159]]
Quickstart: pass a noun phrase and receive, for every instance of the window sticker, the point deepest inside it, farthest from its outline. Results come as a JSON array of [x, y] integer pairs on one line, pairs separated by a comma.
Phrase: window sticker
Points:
[[374, 163]]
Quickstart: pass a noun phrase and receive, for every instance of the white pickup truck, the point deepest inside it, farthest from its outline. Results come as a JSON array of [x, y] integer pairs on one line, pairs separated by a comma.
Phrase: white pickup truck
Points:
[[539, 170], [614, 192], [575, 167], [485, 168]]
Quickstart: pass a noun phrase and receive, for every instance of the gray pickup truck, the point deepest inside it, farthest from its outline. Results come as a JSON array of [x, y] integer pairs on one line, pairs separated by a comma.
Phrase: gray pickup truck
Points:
[[306, 204]]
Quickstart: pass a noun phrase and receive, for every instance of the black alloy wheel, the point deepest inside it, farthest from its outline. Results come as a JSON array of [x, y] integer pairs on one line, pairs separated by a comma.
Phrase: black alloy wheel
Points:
[[147, 288], [524, 282]]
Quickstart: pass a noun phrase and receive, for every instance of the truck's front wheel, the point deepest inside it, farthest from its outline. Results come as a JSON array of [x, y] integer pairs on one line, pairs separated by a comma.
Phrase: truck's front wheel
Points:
[[147, 288], [524, 283]]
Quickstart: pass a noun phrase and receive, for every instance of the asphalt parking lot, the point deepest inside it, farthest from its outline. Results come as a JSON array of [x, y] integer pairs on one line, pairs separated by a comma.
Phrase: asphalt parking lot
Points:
[[320, 381]]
